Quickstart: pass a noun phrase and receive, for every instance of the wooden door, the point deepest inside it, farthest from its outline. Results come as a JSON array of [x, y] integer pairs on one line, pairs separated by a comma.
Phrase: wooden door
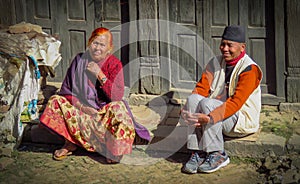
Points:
[[73, 22], [208, 18], [257, 16], [185, 46]]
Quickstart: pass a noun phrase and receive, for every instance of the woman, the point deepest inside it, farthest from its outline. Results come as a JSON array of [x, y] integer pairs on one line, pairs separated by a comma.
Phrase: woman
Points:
[[89, 111]]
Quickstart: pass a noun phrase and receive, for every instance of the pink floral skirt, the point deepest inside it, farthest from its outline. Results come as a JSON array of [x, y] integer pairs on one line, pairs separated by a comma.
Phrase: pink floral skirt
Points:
[[111, 129]]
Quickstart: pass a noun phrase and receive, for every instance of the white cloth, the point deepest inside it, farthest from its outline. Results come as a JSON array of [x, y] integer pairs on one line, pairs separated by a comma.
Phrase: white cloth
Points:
[[45, 50]]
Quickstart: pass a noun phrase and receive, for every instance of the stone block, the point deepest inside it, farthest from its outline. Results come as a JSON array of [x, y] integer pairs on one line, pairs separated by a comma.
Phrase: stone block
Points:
[[294, 143], [257, 149], [43, 135], [287, 107]]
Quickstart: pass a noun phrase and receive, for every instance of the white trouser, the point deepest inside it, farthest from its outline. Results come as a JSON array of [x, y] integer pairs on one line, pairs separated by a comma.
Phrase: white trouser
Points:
[[209, 137]]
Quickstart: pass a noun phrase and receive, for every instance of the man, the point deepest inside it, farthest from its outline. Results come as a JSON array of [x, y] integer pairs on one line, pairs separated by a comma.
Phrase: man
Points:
[[226, 100]]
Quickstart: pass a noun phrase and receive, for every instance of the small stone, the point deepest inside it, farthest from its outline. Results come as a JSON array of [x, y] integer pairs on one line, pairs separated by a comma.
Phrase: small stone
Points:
[[271, 163], [277, 179], [21, 173], [296, 162], [271, 153], [5, 161], [289, 147], [71, 168], [289, 177], [7, 152], [10, 138]]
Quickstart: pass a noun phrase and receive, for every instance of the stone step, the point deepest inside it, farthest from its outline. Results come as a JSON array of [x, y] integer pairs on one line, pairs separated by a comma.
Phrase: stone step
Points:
[[174, 139], [168, 139], [37, 134], [168, 136]]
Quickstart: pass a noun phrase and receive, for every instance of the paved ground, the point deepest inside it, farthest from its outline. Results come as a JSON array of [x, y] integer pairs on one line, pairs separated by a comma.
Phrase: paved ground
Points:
[[36, 166], [161, 161]]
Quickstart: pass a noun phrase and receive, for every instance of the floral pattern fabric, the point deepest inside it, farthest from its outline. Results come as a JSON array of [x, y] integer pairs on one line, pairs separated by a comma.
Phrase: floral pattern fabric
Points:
[[110, 129]]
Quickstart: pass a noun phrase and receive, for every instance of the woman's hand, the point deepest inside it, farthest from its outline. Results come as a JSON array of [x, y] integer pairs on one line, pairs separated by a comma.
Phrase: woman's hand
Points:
[[195, 119], [88, 110], [94, 68]]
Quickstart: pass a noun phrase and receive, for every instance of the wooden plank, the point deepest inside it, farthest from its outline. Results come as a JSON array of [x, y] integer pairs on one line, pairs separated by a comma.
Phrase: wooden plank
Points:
[[133, 68], [256, 9], [163, 7], [293, 47], [75, 10], [7, 12], [293, 29], [77, 42], [186, 60], [219, 7], [279, 40], [20, 10], [42, 9], [112, 10]]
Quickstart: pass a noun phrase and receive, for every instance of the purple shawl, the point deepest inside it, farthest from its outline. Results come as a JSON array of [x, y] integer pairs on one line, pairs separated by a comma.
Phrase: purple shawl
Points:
[[76, 84]]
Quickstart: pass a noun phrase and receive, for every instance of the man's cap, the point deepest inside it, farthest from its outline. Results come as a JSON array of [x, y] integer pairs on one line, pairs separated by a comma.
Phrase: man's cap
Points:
[[234, 33]]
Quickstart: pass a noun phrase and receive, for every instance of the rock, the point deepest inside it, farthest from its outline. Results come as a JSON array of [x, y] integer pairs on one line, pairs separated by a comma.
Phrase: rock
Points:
[[294, 143], [271, 163], [177, 101], [271, 153], [296, 162], [6, 152], [276, 179], [145, 116], [4, 162], [290, 176]]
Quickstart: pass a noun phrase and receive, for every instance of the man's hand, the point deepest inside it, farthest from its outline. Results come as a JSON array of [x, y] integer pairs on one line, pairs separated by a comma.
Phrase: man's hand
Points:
[[194, 119]]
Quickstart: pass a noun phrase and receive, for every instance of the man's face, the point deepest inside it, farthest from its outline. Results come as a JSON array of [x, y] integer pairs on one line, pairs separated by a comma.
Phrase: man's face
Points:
[[231, 50]]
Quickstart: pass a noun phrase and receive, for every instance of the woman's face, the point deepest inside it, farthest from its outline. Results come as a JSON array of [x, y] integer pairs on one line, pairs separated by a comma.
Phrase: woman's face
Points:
[[99, 48], [231, 50]]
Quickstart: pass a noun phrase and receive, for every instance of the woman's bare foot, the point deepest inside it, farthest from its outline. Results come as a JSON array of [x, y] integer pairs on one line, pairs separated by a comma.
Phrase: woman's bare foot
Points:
[[114, 160], [65, 151]]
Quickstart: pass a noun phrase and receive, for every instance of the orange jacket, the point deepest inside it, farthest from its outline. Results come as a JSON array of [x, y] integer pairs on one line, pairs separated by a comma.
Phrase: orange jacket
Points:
[[248, 81]]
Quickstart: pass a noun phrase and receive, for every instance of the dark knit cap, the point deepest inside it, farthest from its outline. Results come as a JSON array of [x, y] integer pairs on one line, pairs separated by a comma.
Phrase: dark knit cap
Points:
[[234, 33]]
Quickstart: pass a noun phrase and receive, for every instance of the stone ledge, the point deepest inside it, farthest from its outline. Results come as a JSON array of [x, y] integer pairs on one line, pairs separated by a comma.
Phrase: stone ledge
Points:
[[289, 107], [170, 138], [257, 149], [294, 143]]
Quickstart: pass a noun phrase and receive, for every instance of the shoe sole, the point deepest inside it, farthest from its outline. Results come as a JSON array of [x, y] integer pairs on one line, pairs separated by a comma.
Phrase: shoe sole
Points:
[[189, 171], [217, 168]]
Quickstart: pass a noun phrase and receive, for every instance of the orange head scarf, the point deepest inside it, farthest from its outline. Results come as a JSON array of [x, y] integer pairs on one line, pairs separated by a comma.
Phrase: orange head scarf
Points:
[[101, 31]]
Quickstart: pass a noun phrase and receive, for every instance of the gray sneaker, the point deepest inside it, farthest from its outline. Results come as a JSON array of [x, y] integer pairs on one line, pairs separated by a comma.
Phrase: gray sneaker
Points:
[[191, 167], [214, 162]]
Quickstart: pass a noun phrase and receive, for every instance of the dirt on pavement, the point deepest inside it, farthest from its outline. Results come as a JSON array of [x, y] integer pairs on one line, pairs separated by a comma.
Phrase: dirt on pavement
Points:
[[34, 164]]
